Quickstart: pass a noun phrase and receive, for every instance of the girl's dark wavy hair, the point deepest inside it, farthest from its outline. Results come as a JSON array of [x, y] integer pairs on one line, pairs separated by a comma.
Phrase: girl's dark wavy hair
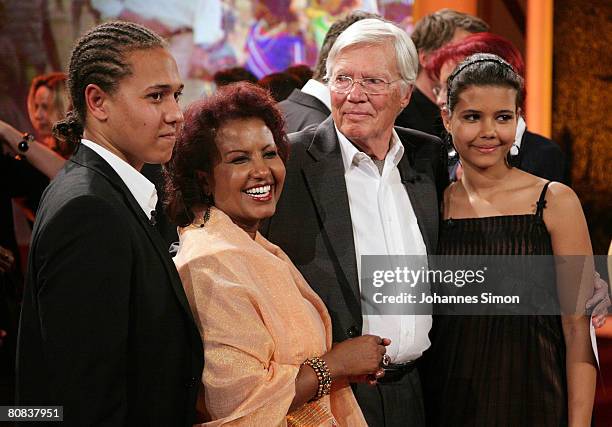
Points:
[[196, 149], [483, 69]]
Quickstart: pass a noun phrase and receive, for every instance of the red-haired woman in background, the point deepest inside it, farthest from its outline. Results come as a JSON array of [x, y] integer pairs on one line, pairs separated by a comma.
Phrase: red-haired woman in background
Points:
[[25, 169], [47, 104]]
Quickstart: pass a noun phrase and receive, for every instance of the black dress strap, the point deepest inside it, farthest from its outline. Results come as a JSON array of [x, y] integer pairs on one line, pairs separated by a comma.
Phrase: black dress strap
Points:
[[541, 203]]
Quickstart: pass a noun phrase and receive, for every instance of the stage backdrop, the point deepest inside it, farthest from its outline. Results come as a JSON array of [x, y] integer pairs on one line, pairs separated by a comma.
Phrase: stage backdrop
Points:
[[207, 35]]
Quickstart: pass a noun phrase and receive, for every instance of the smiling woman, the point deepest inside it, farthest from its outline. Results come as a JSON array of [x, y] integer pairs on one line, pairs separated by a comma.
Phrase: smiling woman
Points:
[[230, 148], [268, 354], [248, 176]]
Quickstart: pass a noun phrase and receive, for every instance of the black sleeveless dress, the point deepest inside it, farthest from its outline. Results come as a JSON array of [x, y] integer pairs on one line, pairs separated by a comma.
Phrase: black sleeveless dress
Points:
[[496, 370]]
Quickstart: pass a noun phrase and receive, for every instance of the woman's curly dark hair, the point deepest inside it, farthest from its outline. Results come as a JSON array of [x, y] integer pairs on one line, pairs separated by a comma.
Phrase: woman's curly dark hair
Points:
[[196, 148]]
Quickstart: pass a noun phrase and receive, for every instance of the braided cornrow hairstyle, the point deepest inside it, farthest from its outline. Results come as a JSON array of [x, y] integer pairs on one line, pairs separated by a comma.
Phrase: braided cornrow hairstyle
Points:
[[99, 57]]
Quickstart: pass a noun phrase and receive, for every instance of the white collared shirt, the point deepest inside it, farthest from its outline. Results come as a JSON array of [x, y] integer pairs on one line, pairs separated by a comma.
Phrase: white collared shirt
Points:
[[141, 188], [384, 223], [319, 91], [521, 127]]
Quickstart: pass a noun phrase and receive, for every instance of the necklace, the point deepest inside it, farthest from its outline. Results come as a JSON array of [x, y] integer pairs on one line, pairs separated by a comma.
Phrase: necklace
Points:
[[200, 223]]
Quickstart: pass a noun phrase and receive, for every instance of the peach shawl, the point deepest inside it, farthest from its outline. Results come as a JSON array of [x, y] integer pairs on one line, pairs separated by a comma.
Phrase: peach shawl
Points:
[[259, 320]]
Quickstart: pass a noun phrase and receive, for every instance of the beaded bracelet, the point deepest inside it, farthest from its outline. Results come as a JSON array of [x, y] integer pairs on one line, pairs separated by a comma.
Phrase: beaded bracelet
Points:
[[323, 376], [24, 144]]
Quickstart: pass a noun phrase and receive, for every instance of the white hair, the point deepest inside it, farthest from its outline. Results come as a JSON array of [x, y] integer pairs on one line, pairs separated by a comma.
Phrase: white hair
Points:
[[378, 32]]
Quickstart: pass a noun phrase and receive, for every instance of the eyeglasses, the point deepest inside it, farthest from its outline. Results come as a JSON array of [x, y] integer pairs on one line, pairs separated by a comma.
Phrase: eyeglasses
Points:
[[370, 85]]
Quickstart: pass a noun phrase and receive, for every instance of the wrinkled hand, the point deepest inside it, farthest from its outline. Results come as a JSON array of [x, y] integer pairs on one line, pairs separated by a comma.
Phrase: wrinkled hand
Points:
[[601, 301], [357, 357], [7, 260]]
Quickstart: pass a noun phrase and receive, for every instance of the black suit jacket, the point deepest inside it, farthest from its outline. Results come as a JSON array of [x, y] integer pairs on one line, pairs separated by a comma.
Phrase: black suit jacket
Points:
[[105, 329], [541, 157], [421, 114], [312, 223], [301, 110], [167, 230], [19, 180]]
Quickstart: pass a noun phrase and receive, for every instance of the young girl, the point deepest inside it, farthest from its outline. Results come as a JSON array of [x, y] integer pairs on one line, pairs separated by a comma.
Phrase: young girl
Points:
[[505, 370]]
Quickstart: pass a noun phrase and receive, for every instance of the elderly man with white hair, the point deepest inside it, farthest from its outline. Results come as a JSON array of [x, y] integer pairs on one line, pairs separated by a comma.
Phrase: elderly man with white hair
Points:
[[358, 186]]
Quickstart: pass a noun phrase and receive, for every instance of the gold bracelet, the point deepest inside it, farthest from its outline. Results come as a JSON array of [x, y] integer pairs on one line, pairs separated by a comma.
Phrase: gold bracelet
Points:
[[321, 370]]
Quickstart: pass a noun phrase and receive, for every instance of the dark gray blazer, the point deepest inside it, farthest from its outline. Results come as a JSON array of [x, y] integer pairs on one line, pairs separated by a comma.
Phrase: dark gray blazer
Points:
[[301, 110], [106, 329], [312, 223]]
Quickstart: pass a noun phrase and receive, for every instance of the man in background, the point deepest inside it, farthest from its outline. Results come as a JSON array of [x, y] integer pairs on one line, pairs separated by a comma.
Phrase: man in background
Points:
[[311, 105], [431, 33]]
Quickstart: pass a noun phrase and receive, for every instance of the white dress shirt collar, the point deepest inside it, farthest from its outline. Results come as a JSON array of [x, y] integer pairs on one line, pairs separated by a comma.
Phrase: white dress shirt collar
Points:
[[521, 127], [141, 188], [319, 91], [351, 155], [384, 223]]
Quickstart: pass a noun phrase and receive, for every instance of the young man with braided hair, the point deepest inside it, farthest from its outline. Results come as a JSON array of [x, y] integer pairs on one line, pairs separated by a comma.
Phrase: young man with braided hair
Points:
[[106, 330]]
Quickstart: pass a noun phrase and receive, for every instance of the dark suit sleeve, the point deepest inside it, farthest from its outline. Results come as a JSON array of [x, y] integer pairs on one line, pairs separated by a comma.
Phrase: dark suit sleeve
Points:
[[542, 157], [302, 110], [553, 165], [83, 276], [433, 150], [23, 180], [441, 169]]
